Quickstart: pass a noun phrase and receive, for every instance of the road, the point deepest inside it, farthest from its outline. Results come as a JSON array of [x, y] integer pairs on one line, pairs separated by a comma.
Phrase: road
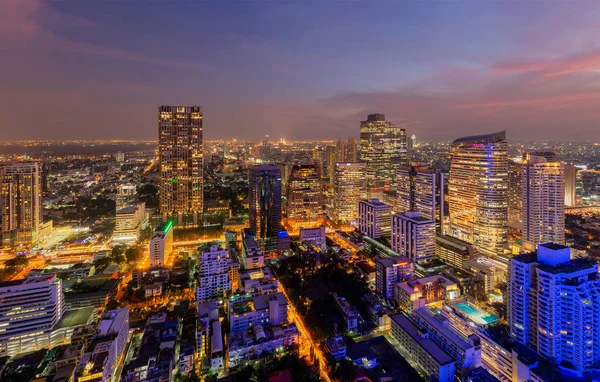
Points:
[[306, 334]]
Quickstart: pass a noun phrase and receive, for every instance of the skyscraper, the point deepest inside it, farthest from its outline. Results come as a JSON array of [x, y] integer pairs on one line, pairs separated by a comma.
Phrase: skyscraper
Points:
[[420, 188], [218, 274], [180, 156], [478, 191], [20, 203], [304, 202], [554, 306], [543, 201], [346, 151], [570, 185], [383, 147], [349, 189], [265, 202]]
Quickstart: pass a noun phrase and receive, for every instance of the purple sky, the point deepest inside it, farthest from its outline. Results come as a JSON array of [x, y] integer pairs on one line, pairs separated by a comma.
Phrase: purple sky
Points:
[[300, 70]]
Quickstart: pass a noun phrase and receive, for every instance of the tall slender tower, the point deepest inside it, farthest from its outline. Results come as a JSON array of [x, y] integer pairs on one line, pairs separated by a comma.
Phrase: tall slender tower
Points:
[[349, 190], [515, 196], [383, 146], [304, 202], [478, 191], [543, 201], [420, 188], [570, 185], [265, 202], [180, 154], [20, 203]]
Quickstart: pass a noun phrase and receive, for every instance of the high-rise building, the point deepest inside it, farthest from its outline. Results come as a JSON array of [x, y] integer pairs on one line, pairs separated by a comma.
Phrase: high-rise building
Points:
[[161, 245], [570, 185], [413, 141], [515, 196], [543, 201], [349, 189], [420, 188], [181, 161], [218, 274], [346, 151], [554, 307], [305, 201], [453, 251], [478, 191], [29, 310], [413, 236], [390, 271], [383, 147], [374, 218], [126, 193], [265, 202], [20, 203]]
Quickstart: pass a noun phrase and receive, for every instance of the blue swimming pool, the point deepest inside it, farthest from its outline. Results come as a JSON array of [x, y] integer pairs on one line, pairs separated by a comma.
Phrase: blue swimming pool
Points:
[[476, 314]]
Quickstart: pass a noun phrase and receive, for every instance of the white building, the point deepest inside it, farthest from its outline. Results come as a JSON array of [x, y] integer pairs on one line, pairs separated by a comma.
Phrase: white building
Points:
[[349, 312], [374, 218], [101, 360], [130, 221], [413, 236], [314, 236], [466, 351], [29, 310], [554, 307], [420, 350], [161, 245], [390, 272], [218, 271], [543, 202], [126, 193]]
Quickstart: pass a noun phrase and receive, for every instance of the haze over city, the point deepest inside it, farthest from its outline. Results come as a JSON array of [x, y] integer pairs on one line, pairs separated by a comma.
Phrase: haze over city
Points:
[[98, 70]]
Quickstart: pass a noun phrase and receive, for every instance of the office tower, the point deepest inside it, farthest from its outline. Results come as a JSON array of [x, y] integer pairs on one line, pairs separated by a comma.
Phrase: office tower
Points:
[[543, 202], [129, 222], [570, 185], [413, 236], [383, 146], [554, 307], [374, 218], [349, 189], [478, 191], [20, 203], [413, 141], [161, 245], [420, 188], [314, 236], [180, 154], [390, 271], [515, 196], [218, 273], [346, 151], [120, 157], [29, 310], [265, 202], [126, 193], [305, 202], [101, 360]]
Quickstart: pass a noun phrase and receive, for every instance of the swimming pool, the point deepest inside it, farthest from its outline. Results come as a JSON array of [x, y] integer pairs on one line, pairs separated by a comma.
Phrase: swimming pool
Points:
[[477, 315]]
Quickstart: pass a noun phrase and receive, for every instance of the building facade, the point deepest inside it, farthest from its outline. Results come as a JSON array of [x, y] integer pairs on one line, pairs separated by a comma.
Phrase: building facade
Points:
[[389, 272], [543, 202], [304, 200], [265, 202], [383, 147], [181, 160], [161, 245], [20, 203], [349, 189], [570, 185], [420, 188], [218, 273], [478, 191], [554, 307], [413, 236], [374, 218], [29, 311]]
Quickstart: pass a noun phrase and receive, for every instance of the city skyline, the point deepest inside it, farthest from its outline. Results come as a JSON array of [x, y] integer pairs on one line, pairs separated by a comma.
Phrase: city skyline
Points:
[[301, 71]]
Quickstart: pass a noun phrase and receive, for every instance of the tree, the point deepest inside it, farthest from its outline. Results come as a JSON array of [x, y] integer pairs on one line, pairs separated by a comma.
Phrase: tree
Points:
[[17, 262], [345, 371], [133, 254]]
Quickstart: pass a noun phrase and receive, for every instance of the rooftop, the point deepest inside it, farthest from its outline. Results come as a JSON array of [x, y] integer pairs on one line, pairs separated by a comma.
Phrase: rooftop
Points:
[[486, 138], [428, 345]]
